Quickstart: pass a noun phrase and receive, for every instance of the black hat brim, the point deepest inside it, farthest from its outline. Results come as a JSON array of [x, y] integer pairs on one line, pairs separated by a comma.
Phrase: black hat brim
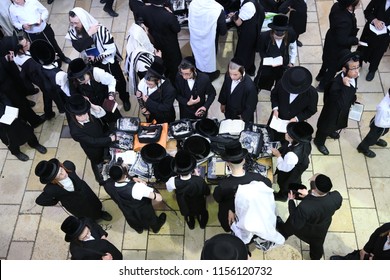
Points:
[[42, 52], [193, 142], [224, 246], [76, 234], [153, 153], [184, 170], [289, 87], [55, 163], [213, 132], [79, 111]]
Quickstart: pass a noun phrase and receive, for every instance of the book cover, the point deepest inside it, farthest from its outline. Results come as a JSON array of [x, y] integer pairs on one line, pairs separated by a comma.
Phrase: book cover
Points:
[[273, 61], [109, 105], [278, 124], [92, 52], [356, 112], [10, 114], [232, 127]]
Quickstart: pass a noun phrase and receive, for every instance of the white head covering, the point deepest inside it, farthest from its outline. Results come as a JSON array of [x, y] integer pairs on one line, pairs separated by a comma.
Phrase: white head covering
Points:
[[62, 81], [86, 19]]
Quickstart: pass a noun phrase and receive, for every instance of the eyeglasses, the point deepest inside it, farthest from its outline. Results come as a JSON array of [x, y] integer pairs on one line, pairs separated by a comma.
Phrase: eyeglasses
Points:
[[185, 74], [354, 68]]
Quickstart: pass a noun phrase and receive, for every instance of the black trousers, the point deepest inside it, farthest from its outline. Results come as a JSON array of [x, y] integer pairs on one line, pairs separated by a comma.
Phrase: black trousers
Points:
[[320, 138], [48, 35], [116, 70], [372, 137]]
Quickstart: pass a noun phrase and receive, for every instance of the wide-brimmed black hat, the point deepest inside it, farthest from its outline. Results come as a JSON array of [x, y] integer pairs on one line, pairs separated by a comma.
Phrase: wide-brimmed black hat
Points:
[[301, 132], [42, 52], [184, 162], [77, 105], [224, 246], [9, 43], [295, 187], [163, 169], [279, 23], [47, 170], [346, 55], [153, 153], [346, 3], [77, 68], [73, 227], [234, 152], [198, 146], [207, 127], [156, 70], [296, 80]]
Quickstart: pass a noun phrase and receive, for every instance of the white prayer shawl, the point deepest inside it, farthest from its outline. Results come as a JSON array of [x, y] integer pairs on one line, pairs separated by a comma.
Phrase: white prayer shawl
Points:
[[101, 37], [255, 211], [137, 41], [202, 24]]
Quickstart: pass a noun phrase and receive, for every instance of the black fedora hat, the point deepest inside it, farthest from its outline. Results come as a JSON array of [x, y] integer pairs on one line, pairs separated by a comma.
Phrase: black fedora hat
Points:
[[346, 55], [73, 227], [77, 105], [234, 152], [42, 52], [184, 162], [279, 23], [77, 68], [300, 131], [47, 170], [163, 170], [198, 146], [207, 127], [295, 187], [346, 3], [156, 70], [224, 246], [153, 153], [296, 80]]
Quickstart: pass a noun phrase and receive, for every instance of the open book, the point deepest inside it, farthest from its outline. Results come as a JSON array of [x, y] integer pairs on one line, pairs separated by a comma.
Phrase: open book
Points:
[[10, 114], [273, 61], [378, 31], [356, 111], [278, 124], [232, 127]]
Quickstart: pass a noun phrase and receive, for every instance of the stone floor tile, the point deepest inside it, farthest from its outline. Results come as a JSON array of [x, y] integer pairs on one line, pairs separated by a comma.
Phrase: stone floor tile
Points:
[[85, 4], [342, 219], [283, 252], [312, 17], [339, 243], [213, 230], [365, 221], [376, 168], [309, 54], [62, 7], [134, 254], [193, 242], [380, 188], [370, 100], [133, 240], [165, 247], [60, 22], [28, 205], [361, 198], [13, 181], [333, 168], [26, 228], [49, 231], [8, 216], [115, 227], [3, 156], [20, 250], [68, 149], [311, 36], [354, 164], [365, 86], [364, 124], [51, 131], [323, 9], [173, 225]]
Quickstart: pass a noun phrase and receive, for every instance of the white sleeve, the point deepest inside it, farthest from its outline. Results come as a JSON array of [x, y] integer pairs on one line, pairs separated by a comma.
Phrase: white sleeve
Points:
[[293, 51], [247, 11], [141, 190], [287, 163], [105, 78], [170, 184]]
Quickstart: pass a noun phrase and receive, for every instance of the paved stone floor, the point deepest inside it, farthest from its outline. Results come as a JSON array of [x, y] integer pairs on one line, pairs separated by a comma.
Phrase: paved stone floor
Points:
[[28, 231]]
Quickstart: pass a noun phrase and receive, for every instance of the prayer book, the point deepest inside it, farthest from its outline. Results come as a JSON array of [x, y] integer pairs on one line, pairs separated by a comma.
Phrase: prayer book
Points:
[[92, 52], [232, 127], [273, 61], [378, 31], [278, 124], [356, 111], [10, 114]]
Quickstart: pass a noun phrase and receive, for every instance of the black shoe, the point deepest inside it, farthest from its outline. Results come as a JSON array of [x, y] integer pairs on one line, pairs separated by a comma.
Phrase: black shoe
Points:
[[31, 103], [214, 75], [42, 119], [111, 12], [49, 116], [370, 76], [126, 105], [320, 88], [203, 219], [368, 153], [299, 43], [22, 157], [336, 257], [334, 135], [50, 1], [381, 143], [252, 71], [190, 220], [319, 77], [161, 220], [106, 216], [66, 59], [40, 149], [324, 150], [280, 197]]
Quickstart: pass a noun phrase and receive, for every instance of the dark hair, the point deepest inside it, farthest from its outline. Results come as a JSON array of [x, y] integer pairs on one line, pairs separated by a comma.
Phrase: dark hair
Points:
[[72, 14], [355, 58], [185, 64]]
